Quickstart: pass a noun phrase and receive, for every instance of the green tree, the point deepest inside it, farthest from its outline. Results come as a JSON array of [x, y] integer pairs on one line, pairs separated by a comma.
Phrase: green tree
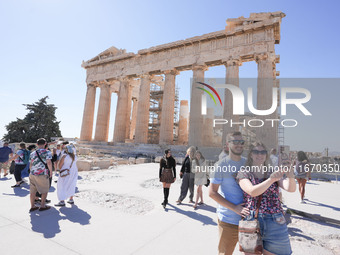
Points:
[[40, 121]]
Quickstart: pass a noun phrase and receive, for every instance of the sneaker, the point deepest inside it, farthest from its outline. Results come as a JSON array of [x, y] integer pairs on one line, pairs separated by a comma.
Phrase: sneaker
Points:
[[191, 201], [60, 204], [16, 186], [179, 202], [47, 201], [70, 201], [302, 202], [44, 208]]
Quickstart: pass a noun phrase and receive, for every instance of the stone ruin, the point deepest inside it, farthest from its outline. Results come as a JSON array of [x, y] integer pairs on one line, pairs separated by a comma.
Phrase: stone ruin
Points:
[[130, 75]]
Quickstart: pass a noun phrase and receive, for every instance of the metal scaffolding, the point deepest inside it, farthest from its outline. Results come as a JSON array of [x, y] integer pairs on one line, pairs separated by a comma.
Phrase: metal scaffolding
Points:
[[156, 100]]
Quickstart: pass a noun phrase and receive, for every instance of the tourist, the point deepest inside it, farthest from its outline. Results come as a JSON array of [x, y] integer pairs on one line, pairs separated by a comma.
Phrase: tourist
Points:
[[74, 148], [68, 176], [38, 195], [259, 189], [58, 155], [21, 159], [301, 173], [223, 153], [30, 149], [199, 168], [167, 174], [54, 158], [273, 157], [227, 193], [5, 153], [187, 176], [41, 168]]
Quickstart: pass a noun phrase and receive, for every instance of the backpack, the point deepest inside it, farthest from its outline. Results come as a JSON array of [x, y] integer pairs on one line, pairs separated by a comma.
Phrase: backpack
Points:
[[26, 158]]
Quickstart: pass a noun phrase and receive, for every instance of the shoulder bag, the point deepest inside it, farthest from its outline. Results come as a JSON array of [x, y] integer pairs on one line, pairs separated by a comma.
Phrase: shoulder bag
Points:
[[249, 236], [66, 172]]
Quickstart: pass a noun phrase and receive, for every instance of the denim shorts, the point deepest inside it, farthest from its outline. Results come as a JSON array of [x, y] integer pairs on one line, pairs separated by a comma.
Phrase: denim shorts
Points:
[[274, 232]]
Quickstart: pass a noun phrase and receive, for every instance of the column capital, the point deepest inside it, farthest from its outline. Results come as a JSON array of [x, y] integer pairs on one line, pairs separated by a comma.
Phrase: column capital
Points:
[[265, 56], [124, 79], [173, 72], [145, 76], [232, 62], [277, 59], [103, 84], [200, 67], [91, 85]]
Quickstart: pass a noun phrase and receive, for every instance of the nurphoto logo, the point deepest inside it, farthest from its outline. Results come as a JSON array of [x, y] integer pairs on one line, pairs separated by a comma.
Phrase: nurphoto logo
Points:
[[239, 103]]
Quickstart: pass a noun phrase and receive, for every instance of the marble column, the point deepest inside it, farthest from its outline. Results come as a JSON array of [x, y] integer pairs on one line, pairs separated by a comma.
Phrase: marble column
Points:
[[103, 115], [142, 125], [232, 77], [121, 111], [196, 118], [133, 118], [183, 123], [208, 134], [265, 83], [88, 115], [128, 112], [168, 108]]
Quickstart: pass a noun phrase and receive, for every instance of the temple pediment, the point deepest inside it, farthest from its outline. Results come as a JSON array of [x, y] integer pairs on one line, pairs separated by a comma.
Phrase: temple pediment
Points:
[[109, 53]]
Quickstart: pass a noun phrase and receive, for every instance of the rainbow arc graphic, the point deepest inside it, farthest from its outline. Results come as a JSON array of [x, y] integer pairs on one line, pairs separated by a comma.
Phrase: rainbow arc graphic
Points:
[[204, 98]]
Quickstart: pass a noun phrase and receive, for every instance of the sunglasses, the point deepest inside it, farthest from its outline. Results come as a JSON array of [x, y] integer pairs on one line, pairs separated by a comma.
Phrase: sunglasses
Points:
[[257, 152], [237, 142]]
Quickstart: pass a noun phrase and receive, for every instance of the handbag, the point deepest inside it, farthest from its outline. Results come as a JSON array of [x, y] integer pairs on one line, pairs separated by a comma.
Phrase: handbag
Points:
[[65, 172], [249, 236], [12, 167]]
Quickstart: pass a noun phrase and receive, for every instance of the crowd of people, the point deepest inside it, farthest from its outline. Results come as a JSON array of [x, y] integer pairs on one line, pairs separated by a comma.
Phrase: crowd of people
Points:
[[252, 190], [37, 162], [246, 193]]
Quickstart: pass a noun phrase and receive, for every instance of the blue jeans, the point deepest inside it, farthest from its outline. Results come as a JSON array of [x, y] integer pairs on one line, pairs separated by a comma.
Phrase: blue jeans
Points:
[[274, 232]]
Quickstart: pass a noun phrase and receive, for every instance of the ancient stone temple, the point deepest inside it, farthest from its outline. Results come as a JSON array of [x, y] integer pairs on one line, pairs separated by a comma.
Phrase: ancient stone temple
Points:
[[130, 75]]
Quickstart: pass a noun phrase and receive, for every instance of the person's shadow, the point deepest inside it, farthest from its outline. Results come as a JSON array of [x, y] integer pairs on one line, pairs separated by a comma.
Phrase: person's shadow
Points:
[[23, 191], [299, 233], [5, 178], [194, 215], [321, 204], [206, 207], [46, 222], [76, 215]]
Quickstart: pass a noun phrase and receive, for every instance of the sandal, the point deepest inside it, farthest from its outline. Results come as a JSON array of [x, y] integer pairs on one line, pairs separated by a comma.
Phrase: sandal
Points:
[[33, 209], [44, 208]]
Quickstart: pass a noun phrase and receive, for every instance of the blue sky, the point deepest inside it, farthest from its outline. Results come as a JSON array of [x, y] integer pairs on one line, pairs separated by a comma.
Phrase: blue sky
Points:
[[43, 43]]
